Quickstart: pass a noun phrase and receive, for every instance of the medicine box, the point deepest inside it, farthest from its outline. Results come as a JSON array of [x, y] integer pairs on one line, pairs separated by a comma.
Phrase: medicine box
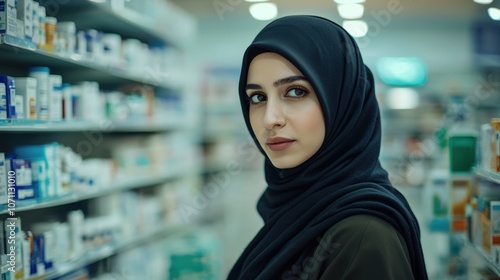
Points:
[[20, 107], [8, 17], [3, 180], [461, 194], [56, 97], [8, 89], [495, 229], [462, 149], [26, 87], [25, 15], [3, 101], [25, 190]]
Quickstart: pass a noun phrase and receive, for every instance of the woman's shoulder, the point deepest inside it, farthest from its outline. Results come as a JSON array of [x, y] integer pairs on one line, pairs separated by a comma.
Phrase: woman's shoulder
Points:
[[360, 225], [359, 246]]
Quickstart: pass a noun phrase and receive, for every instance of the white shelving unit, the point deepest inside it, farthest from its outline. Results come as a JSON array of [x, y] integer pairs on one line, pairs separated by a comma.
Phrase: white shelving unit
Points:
[[123, 185], [16, 55], [110, 250], [104, 126]]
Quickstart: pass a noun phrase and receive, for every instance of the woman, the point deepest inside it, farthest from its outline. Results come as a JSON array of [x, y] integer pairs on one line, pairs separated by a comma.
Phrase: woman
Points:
[[330, 211]]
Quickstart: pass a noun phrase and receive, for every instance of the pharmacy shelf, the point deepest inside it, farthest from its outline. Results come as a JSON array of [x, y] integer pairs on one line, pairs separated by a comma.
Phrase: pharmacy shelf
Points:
[[215, 133], [4, 268], [229, 109], [488, 175], [19, 53], [72, 126], [482, 254], [123, 185], [102, 16], [110, 250]]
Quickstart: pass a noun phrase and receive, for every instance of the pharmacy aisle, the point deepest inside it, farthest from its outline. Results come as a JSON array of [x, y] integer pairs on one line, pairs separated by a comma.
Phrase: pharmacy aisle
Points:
[[96, 142]]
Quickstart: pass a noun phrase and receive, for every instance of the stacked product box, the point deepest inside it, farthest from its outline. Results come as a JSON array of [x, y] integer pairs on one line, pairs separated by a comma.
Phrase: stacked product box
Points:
[[484, 230], [42, 247], [8, 17], [7, 97], [485, 219], [45, 172], [462, 154]]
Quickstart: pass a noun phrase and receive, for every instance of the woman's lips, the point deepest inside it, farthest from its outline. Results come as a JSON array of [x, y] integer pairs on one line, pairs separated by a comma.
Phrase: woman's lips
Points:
[[279, 143]]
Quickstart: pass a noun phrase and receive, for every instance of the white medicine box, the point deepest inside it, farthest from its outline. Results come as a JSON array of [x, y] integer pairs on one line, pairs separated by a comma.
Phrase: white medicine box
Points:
[[8, 17], [25, 15]]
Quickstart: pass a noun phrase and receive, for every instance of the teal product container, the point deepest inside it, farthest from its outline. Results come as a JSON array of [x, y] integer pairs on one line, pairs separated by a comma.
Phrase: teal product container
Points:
[[195, 256], [44, 166], [462, 150], [7, 97]]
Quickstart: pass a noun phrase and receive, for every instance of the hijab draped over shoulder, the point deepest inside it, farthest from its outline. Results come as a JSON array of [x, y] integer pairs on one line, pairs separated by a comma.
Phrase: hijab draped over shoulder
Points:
[[344, 177]]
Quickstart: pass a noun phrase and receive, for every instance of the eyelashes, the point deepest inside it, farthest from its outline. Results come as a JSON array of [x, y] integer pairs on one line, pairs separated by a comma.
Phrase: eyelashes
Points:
[[293, 92]]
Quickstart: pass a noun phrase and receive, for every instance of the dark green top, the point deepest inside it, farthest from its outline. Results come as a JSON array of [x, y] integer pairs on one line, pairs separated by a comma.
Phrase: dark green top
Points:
[[359, 247]]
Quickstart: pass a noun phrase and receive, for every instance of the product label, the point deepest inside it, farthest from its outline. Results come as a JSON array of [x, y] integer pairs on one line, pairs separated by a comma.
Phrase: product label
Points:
[[8, 17], [2, 16], [25, 193], [20, 107], [3, 179], [39, 169], [32, 108], [23, 176], [12, 96], [3, 101]]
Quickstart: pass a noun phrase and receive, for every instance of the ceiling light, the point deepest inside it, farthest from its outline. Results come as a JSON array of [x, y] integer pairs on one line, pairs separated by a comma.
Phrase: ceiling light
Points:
[[263, 11], [402, 71], [349, 1], [256, 1], [494, 13], [351, 11], [402, 98], [484, 2], [357, 28]]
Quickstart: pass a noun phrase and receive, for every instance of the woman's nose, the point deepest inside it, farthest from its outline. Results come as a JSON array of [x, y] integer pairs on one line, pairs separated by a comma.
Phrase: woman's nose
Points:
[[274, 115]]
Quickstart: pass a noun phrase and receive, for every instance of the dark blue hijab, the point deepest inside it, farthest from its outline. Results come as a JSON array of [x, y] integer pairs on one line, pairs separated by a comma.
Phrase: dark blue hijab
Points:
[[344, 177]]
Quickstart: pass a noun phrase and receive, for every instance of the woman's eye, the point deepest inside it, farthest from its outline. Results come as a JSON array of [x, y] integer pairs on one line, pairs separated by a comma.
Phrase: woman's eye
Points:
[[257, 98], [297, 92]]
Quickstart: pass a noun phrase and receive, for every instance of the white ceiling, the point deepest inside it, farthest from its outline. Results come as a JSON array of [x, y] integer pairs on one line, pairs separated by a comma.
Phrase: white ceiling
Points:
[[410, 8]]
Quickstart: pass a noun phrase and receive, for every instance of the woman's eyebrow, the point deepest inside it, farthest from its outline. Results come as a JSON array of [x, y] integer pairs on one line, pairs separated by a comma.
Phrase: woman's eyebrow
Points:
[[252, 86], [288, 80], [277, 83]]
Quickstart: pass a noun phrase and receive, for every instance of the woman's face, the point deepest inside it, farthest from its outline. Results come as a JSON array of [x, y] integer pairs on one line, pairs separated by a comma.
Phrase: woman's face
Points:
[[285, 113]]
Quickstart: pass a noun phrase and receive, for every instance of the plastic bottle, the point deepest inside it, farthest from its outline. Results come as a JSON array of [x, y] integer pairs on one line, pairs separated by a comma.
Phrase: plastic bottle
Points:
[[41, 74], [50, 33]]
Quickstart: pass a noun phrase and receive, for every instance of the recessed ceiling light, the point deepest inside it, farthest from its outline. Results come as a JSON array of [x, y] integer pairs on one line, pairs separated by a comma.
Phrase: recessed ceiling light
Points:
[[349, 1], [357, 28], [484, 2], [494, 13], [263, 11], [351, 11], [402, 98]]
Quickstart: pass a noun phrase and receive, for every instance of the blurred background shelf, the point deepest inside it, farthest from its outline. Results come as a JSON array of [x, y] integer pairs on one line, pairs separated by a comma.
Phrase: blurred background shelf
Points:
[[19, 55], [102, 126]]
